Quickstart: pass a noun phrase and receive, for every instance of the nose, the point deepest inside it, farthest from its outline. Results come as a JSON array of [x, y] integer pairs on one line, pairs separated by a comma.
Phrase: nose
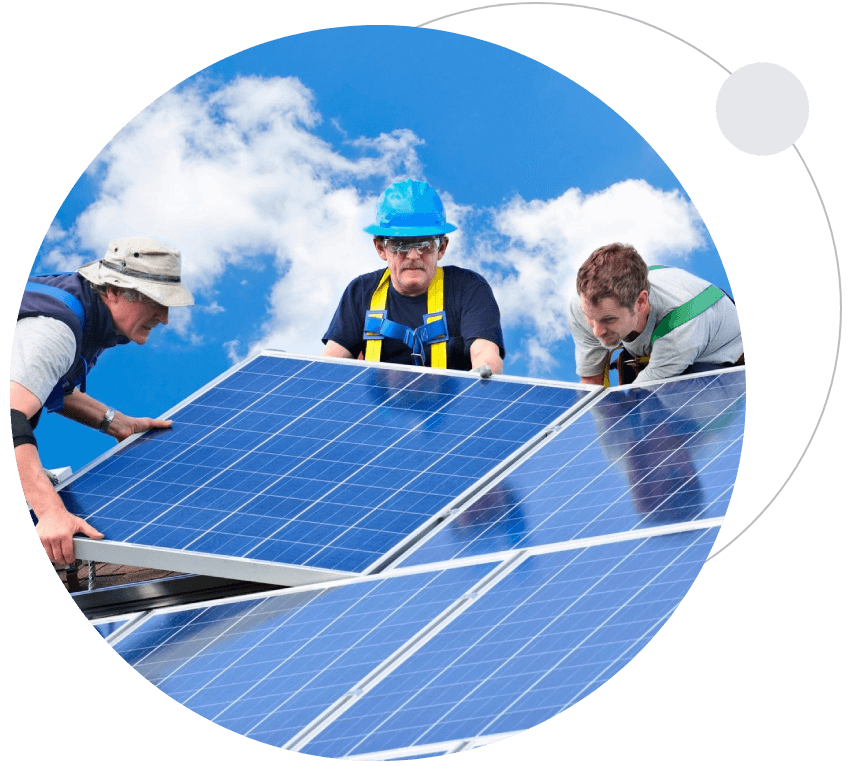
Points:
[[162, 314], [598, 330]]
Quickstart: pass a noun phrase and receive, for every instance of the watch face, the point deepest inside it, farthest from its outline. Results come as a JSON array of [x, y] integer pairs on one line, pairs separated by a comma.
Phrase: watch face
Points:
[[107, 420]]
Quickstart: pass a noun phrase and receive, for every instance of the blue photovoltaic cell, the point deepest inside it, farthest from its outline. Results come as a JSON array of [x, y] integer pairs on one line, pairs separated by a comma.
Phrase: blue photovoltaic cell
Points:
[[266, 667], [636, 458], [543, 638], [311, 463]]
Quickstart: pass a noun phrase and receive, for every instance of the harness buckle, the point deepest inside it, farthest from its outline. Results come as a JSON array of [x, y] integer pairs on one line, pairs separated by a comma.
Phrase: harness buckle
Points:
[[372, 329]]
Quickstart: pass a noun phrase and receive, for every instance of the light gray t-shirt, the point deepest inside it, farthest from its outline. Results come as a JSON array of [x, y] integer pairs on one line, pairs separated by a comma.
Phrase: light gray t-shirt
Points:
[[712, 337], [43, 351]]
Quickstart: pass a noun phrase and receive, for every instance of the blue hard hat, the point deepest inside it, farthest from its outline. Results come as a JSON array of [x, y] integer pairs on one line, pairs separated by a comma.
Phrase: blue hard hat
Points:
[[409, 209]]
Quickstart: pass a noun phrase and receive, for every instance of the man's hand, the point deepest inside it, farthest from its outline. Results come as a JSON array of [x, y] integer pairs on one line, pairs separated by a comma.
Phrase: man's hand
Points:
[[87, 410], [485, 371], [56, 532], [485, 353], [123, 426]]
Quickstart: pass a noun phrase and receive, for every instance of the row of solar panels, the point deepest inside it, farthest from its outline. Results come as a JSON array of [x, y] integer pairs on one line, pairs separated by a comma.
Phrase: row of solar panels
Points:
[[293, 470], [530, 539], [422, 658]]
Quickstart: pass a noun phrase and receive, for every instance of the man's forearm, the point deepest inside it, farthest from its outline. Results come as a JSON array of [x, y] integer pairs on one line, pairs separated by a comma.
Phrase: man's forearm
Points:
[[483, 352], [83, 409], [38, 489]]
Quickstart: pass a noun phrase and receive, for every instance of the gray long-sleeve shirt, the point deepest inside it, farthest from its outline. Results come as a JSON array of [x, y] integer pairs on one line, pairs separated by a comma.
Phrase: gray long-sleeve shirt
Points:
[[713, 336]]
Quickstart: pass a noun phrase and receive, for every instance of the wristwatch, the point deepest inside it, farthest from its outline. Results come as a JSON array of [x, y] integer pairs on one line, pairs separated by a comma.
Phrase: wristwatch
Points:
[[107, 421]]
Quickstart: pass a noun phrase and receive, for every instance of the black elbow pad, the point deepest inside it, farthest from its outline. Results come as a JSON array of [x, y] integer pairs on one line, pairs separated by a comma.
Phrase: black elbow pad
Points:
[[22, 430]]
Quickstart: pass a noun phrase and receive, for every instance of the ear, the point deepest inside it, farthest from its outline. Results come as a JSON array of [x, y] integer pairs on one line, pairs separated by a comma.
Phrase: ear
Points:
[[642, 301], [378, 245], [442, 248], [111, 296]]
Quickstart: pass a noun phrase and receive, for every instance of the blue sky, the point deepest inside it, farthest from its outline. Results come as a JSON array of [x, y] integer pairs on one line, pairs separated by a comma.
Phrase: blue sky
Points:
[[264, 167]]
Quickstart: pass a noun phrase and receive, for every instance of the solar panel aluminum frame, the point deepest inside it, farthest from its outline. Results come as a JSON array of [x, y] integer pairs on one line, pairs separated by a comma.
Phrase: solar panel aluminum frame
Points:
[[251, 570]]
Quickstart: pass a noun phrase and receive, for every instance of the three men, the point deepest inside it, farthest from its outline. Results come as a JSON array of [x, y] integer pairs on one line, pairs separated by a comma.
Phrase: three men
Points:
[[668, 321], [414, 311], [65, 322]]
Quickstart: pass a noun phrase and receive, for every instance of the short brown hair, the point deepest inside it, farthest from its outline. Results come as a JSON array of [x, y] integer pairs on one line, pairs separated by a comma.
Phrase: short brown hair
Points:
[[613, 271]]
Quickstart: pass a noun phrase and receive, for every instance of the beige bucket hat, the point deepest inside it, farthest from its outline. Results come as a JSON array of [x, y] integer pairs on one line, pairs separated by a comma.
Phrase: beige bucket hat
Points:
[[143, 264]]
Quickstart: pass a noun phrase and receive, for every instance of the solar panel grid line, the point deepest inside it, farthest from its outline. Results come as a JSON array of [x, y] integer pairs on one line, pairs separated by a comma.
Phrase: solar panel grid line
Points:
[[689, 376], [302, 649], [468, 498], [244, 457], [471, 649], [386, 723], [657, 468], [133, 621], [480, 487], [427, 467], [217, 520], [403, 653], [568, 471], [216, 639], [648, 633], [640, 533], [165, 465]]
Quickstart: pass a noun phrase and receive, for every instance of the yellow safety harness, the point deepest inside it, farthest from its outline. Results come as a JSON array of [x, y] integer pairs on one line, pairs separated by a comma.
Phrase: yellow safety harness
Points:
[[433, 333]]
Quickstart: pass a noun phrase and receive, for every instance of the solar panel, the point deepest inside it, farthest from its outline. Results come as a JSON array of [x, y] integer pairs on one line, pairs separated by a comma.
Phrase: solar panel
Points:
[[637, 457], [266, 667], [420, 658], [550, 564], [544, 637], [315, 466]]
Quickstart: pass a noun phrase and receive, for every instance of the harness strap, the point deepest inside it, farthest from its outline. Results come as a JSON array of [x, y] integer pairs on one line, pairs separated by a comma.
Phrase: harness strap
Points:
[[55, 399], [433, 332], [673, 320], [71, 301], [687, 311]]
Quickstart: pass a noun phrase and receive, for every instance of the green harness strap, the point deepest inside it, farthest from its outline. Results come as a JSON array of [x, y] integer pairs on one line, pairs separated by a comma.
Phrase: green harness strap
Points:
[[675, 318], [687, 311]]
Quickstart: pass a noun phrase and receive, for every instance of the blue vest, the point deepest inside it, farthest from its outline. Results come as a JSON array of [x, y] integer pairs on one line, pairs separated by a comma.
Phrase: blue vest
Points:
[[93, 335]]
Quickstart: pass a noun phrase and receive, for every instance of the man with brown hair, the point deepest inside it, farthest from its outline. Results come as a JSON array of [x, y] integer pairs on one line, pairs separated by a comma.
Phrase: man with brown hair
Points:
[[667, 321]]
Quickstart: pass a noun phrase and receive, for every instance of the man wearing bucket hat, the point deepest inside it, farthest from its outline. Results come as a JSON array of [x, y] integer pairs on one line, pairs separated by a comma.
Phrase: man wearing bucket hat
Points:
[[64, 323], [415, 311]]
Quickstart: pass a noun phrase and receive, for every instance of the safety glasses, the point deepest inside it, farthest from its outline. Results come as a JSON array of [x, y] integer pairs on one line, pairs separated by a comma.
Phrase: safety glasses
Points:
[[403, 246]]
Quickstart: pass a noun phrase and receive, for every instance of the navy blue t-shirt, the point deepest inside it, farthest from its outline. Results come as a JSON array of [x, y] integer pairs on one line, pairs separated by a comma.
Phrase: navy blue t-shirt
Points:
[[470, 308]]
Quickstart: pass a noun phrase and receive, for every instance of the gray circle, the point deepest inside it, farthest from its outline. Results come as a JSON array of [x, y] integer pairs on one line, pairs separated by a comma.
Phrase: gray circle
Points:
[[762, 109]]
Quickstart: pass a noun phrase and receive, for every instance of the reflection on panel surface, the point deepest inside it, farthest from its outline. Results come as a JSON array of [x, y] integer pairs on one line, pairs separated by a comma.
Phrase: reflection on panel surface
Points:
[[637, 458]]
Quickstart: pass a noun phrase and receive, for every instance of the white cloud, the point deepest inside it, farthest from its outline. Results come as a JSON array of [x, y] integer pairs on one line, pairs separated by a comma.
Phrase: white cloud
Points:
[[532, 268], [238, 174]]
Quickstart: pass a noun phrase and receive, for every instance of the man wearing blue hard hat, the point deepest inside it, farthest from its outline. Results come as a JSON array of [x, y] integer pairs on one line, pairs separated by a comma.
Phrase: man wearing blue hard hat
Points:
[[415, 311]]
